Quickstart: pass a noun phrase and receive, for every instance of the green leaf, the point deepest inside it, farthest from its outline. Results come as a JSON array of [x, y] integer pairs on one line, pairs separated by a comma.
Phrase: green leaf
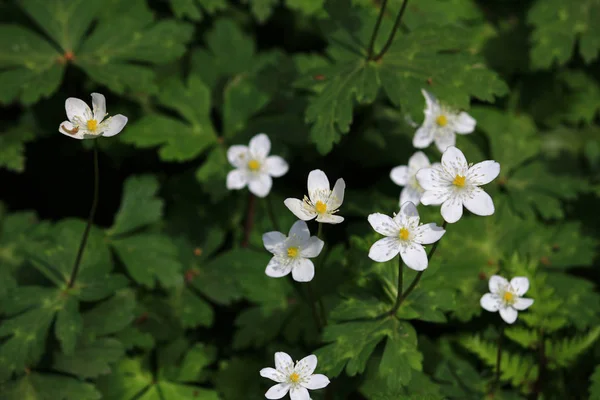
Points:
[[91, 359], [12, 146], [110, 316], [29, 66], [525, 337], [139, 207], [213, 173], [36, 386], [192, 9], [190, 309], [149, 258], [69, 325], [261, 9], [242, 99], [583, 98], [595, 384], [562, 353], [557, 27]]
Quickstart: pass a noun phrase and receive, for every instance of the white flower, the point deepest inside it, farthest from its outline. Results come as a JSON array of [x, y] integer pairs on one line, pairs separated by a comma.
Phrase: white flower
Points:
[[407, 176], [84, 123], [454, 183], [254, 166], [321, 202], [506, 297], [404, 236], [441, 125], [292, 253], [295, 379]]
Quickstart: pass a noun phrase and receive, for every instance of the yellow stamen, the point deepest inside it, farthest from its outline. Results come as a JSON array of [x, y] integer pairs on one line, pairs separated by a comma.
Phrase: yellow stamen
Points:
[[292, 252], [321, 207], [294, 377], [92, 125], [253, 165], [508, 297], [404, 234], [459, 181], [441, 120]]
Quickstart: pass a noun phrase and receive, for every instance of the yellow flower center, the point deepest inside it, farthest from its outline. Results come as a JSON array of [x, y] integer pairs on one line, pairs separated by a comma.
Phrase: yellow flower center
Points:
[[92, 125], [294, 377], [441, 120], [404, 234], [321, 207], [292, 252], [459, 181], [253, 165], [508, 297]]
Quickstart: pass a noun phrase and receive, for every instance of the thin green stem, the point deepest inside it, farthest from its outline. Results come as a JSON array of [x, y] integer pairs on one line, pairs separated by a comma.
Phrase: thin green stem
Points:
[[90, 220], [313, 308], [320, 231], [390, 40], [400, 286], [249, 219], [272, 213], [498, 359], [376, 30], [322, 257]]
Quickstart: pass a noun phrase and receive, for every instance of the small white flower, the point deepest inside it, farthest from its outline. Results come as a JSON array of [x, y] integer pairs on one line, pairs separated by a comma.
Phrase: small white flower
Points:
[[454, 183], [292, 253], [322, 202], [254, 166], [404, 236], [506, 297], [295, 379], [407, 176], [84, 123], [441, 125]]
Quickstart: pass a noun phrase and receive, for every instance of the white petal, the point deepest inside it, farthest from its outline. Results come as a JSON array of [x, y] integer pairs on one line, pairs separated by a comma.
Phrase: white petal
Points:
[[317, 381], [260, 146], [237, 155], [62, 128], [383, 224], [113, 125], [77, 108], [303, 270], [483, 172], [283, 361], [433, 178], [330, 219], [417, 161], [275, 269], [272, 374], [434, 197], [520, 285], [278, 391], [98, 106], [497, 284], [411, 194], [276, 166], [508, 314], [452, 209], [463, 123], [384, 249], [430, 100], [317, 183], [273, 241], [399, 175], [522, 303], [306, 366], [336, 198], [299, 393], [408, 215], [490, 302], [297, 207], [237, 179], [454, 159], [428, 233], [414, 256], [300, 231], [479, 202], [424, 135], [260, 184], [312, 248], [444, 139]]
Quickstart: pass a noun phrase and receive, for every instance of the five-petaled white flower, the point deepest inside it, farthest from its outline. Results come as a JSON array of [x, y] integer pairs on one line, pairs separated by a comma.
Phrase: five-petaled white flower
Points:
[[84, 123], [454, 183], [404, 236], [292, 253], [506, 297], [254, 166], [321, 202], [441, 125], [295, 379], [407, 176]]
